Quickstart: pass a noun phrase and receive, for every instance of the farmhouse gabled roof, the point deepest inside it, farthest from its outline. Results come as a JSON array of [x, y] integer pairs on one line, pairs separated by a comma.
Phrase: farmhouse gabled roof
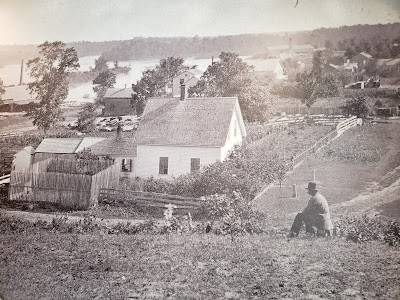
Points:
[[119, 93], [193, 122], [66, 145], [115, 147]]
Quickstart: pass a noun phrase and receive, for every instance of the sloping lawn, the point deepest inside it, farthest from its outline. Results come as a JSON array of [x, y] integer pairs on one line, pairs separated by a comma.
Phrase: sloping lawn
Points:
[[48, 265], [362, 160]]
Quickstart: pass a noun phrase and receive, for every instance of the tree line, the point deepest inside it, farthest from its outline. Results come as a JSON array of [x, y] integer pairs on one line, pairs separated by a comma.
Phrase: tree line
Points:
[[244, 44]]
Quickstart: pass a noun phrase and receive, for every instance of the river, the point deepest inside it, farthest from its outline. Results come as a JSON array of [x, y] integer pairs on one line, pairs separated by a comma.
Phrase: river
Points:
[[10, 74]]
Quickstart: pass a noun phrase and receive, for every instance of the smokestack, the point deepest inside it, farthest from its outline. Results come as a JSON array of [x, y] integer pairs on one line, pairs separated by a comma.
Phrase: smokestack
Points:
[[183, 92], [212, 60], [21, 76], [125, 85]]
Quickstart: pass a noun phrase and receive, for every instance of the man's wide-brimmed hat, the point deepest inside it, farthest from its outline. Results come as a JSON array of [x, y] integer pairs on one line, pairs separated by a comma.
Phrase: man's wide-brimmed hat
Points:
[[312, 186]]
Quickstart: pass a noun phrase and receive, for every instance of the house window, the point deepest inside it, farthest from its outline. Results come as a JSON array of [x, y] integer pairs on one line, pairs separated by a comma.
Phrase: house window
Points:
[[126, 165], [163, 166], [194, 164]]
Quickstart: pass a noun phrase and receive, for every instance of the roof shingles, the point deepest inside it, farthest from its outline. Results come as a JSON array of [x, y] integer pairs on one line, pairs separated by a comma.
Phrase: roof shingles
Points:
[[193, 122]]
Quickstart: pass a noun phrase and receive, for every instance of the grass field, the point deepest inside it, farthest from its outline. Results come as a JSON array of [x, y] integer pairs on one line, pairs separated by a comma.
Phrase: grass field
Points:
[[66, 266]]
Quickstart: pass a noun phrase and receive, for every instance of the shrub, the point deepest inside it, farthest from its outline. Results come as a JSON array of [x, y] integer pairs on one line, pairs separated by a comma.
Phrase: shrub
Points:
[[365, 228], [357, 106], [233, 214]]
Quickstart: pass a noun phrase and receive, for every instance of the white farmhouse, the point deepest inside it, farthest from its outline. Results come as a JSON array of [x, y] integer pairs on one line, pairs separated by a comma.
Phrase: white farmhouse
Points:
[[179, 135], [189, 78]]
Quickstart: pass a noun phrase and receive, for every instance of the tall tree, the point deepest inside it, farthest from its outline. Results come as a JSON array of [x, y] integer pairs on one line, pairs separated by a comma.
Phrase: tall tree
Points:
[[232, 77], [314, 84], [100, 65], [102, 82], [155, 81], [50, 71]]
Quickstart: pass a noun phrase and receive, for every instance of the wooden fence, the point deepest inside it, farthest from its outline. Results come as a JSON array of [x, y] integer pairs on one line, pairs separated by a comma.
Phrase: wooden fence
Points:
[[66, 190], [303, 110], [108, 178], [78, 166], [340, 129], [76, 191], [145, 199]]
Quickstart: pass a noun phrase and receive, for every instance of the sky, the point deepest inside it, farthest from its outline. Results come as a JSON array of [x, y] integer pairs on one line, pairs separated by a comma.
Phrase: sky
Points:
[[35, 21]]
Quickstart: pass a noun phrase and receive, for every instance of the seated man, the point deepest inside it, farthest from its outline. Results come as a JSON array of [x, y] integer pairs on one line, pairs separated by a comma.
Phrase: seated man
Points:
[[316, 214]]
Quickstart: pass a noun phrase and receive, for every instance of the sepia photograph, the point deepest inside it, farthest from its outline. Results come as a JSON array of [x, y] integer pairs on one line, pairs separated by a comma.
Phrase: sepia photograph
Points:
[[199, 149]]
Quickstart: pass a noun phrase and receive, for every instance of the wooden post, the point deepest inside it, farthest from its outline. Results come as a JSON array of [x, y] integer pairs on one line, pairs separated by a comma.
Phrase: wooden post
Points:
[[294, 191], [313, 174], [284, 156]]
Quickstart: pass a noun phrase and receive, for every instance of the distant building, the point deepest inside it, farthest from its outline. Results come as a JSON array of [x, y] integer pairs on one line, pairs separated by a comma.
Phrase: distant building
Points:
[[271, 66], [290, 50], [119, 102], [17, 98], [179, 135], [361, 59], [346, 67], [189, 78]]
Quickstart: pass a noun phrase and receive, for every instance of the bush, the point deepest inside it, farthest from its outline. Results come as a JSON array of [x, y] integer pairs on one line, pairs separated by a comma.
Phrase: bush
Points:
[[357, 106], [363, 229], [234, 214]]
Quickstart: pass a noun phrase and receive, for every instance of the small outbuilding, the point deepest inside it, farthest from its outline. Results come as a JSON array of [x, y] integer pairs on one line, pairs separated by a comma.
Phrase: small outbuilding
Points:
[[119, 102]]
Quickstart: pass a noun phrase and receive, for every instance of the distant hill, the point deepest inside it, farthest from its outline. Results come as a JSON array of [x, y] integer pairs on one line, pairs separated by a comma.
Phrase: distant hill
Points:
[[202, 47]]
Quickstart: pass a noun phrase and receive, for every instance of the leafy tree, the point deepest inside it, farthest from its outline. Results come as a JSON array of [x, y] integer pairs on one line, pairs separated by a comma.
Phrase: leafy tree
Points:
[[100, 65], [232, 77], [102, 82], [86, 117], [357, 106], [154, 81], [50, 71], [313, 84]]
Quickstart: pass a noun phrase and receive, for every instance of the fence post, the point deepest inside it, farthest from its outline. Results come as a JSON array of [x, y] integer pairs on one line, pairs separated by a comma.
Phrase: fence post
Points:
[[294, 191], [284, 156]]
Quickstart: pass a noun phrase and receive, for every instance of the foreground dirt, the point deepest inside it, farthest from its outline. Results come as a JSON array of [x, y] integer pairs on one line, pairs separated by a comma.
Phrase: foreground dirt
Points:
[[66, 266]]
